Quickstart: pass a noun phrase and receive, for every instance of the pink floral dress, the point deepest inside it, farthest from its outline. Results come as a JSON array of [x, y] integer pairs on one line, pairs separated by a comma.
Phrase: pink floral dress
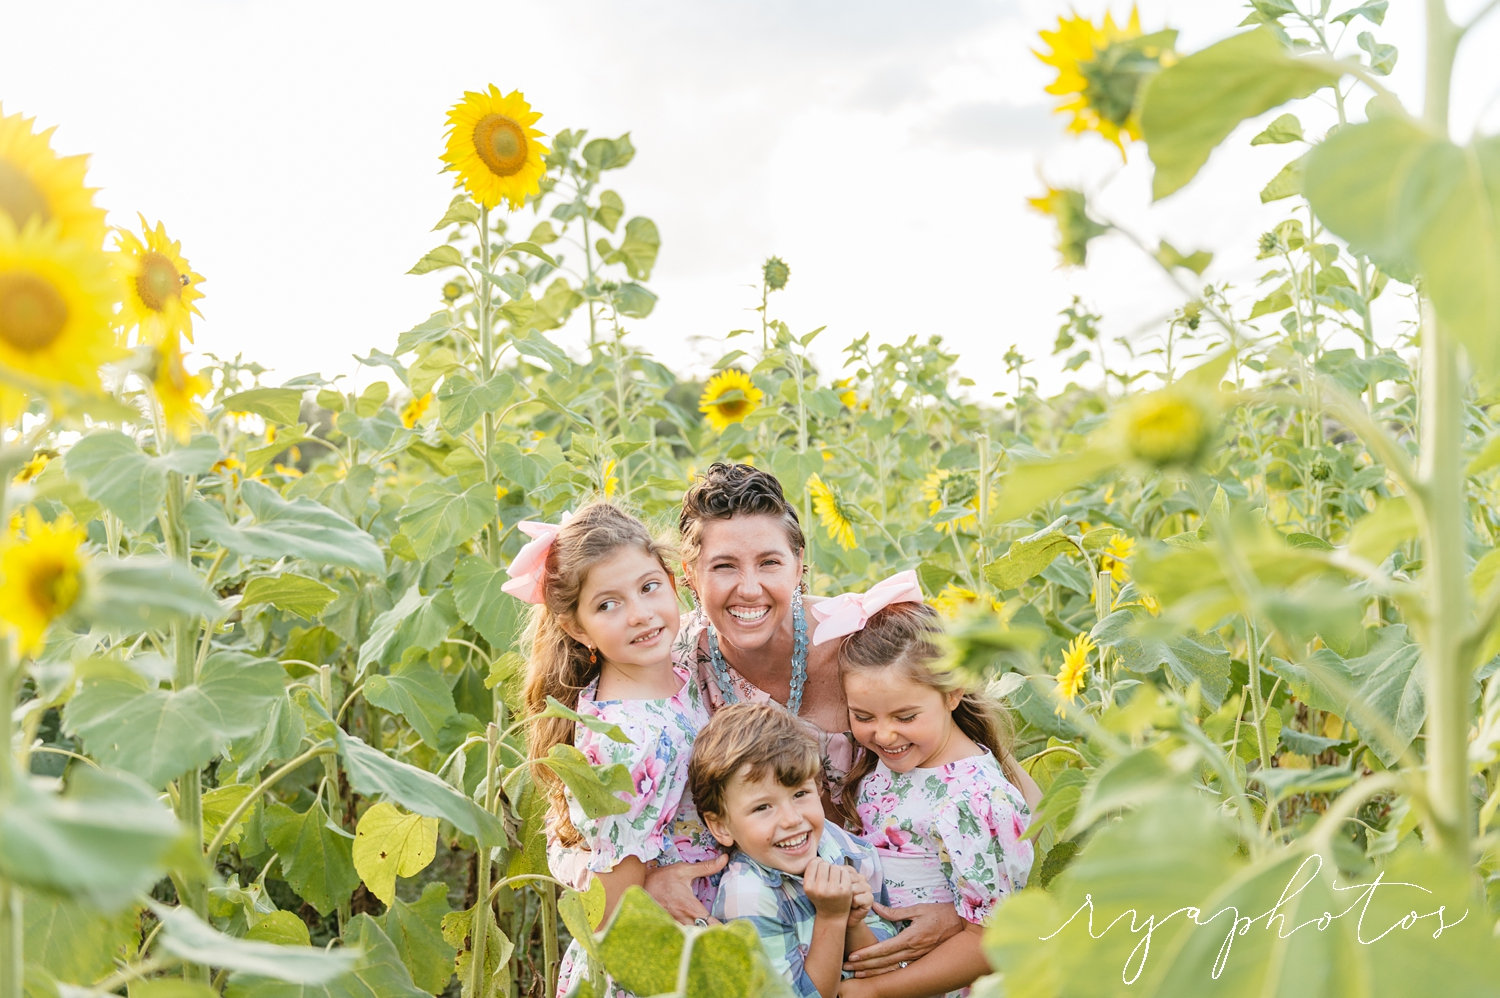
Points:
[[951, 833], [662, 825]]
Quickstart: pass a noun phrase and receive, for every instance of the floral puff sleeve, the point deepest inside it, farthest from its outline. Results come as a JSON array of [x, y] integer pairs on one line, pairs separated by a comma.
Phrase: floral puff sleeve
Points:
[[656, 757], [979, 826]]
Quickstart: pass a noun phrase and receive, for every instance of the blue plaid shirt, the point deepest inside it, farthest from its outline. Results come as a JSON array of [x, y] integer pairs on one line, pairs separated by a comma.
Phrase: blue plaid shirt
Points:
[[778, 907]]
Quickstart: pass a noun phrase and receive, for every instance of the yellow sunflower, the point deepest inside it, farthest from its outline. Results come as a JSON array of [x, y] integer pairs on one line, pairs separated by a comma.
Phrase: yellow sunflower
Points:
[[494, 148], [157, 287], [35, 466], [835, 514], [414, 410], [177, 391], [943, 488], [954, 599], [728, 398], [1113, 559], [40, 576], [611, 480], [39, 187], [1075, 669], [56, 304], [1100, 70], [1169, 427], [1069, 208]]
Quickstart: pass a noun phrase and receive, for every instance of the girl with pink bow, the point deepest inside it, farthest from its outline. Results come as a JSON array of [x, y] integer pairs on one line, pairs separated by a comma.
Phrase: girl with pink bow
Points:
[[935, 791]]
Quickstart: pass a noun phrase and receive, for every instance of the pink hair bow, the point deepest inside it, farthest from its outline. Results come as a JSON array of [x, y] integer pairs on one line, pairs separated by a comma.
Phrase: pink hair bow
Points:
[[528, 569], [850, 612]]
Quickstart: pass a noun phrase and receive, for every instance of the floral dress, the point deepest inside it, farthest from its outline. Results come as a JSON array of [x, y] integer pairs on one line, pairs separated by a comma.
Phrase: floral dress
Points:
[[837, 748], [662, 825], [950, 833]]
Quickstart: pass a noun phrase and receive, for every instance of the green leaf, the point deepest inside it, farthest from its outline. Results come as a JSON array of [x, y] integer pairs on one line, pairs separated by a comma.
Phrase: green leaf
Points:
[[416, 692], [633, 300], [1028, 486], [282, 528], [371, 771], [115, 474], [1026, 558], [1190, 107], [1411, 200], [389, 843], [556, 708], [431, 329], [1284, 783], [218, 804], [642, 945], [1144, 649], [160, 734], [480, 603], [493, 979], [728, 961], [280, 927], [460, 210], [533, 344], [1373, 11], [74, 941], [439, 515], [462, 402], [415, 622], [443, 256], [1287, 183], [103, 840], [184, 935], [1390, 524], [1488, 457], [609, 154], [415, 929], [639, 248], [595, 789], [290, 592], [1382, 57], [1170, 257], [611, 209], [196, 457], [282, 406], [532, 249], [141, 592], [315, 860], [376, 972], [371, 399], [1381, 689], [1286, 128]]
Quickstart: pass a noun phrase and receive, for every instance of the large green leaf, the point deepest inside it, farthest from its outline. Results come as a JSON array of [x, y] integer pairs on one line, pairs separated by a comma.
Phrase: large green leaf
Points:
[[115, 474], [104, 839], [374, 970], [1383, 688], [1025, 558], [728, 961], [596, 790], [642, 945], [1409, 198], [159, 734], [418, 693], [293, 593], [1188, 108], [1145, 646], [638, 249], [371, 771], [1027, 486], [493, 978], [462, 402], [440, 514], [276, 405], [74, 941], [316, 860], [481, 604], [415, 929], [415, 623], [281, 528], [186, 936], [130, 595]]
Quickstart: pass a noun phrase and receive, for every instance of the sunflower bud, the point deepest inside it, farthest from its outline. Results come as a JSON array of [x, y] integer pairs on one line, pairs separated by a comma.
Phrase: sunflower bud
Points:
[[1321, 470], [1074, 226], [1171, 427], [776, 273], [452, 290]]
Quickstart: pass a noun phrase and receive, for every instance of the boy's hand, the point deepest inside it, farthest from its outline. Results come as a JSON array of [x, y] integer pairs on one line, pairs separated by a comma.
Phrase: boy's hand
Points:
[[830, 888], [863, 900]]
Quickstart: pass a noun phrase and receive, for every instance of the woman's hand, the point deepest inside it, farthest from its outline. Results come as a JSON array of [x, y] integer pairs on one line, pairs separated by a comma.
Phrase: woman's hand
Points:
[[930, 925], [672, 888]]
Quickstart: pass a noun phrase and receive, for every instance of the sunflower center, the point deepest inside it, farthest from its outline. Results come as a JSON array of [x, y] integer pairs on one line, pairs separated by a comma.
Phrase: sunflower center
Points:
[[32, 312], [157, 282], [501, 144], [733, 408], [52, 587], [21, 199]]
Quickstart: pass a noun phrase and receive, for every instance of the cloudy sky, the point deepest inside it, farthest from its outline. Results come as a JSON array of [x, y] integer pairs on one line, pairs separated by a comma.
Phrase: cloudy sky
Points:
[[883, 150]]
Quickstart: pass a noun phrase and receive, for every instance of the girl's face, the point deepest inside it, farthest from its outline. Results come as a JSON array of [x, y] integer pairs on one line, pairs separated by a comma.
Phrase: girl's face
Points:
[[906, 724], [627, 609], [745, 575]]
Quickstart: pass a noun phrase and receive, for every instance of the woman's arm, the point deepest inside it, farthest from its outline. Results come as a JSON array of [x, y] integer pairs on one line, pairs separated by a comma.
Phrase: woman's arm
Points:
[[628, 872], [956, 962]]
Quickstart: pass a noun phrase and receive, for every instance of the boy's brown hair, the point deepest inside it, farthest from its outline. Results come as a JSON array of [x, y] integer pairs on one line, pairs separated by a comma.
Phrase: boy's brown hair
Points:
[[757, 738]]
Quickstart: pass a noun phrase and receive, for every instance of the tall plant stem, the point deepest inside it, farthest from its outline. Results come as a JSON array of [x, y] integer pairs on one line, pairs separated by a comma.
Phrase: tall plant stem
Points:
[[487, 369], [12, 943], [1444, 516], [480, 927]]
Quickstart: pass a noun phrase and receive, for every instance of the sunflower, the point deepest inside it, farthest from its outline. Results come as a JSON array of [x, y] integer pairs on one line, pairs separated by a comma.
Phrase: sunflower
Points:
[[414, 410], [35, 466], [40, 576], [943, 488], [611, 480], [953, 600], [39, 187], [1069, 208], [157, 286], [835, 514], [1100, 71], [493, 147], [1074, 672], [56, 301], [1169, 427], [1114, 557], [729, 397], [177, 391]]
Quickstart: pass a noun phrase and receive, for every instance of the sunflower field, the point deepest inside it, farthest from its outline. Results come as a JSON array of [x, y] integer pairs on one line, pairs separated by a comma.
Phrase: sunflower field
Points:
[[261, 733]]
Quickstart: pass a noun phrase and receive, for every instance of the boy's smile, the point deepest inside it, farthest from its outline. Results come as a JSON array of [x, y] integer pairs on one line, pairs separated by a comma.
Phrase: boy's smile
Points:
[[775, 825]]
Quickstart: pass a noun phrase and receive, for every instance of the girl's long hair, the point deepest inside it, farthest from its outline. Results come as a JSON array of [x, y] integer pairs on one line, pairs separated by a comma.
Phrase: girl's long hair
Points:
[[559, 666], [902, 636]]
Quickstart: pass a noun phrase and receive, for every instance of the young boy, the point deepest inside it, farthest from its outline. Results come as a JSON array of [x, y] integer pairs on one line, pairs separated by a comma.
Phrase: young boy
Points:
[[807, 886]]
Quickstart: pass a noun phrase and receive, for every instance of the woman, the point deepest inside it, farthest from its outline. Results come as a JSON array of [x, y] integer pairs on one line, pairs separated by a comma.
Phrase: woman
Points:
[[742, 549]]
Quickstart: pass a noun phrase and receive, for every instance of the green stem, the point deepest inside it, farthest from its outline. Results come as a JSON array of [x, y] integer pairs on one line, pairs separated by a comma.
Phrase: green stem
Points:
[[12, 941], [322, 748], [486, 367], [480, 928], [549, 937]]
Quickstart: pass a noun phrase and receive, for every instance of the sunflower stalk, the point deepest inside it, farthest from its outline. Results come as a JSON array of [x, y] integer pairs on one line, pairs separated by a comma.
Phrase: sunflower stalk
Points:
[[486, 370], [479, 930], [12, 939]]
